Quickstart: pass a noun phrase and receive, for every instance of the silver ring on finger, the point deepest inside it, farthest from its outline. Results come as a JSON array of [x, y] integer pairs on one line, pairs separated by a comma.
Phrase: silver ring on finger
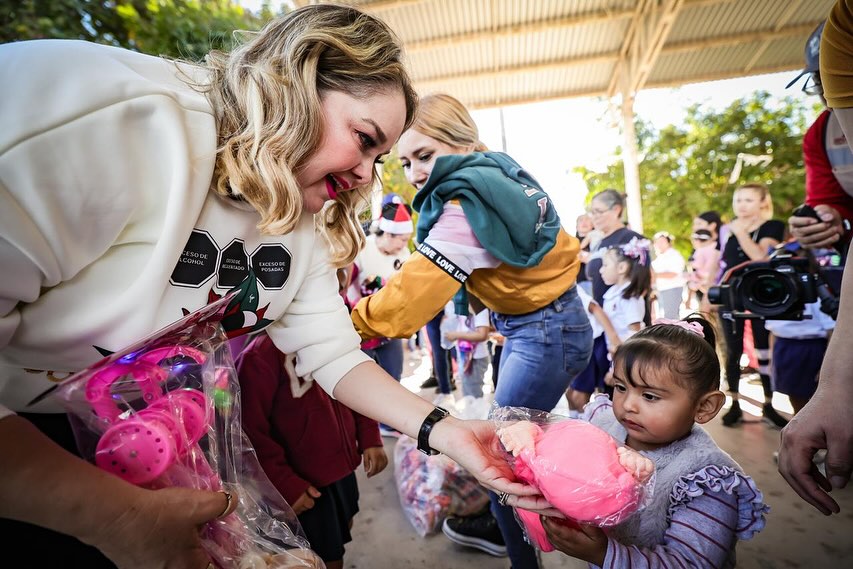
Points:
[[502, 498]]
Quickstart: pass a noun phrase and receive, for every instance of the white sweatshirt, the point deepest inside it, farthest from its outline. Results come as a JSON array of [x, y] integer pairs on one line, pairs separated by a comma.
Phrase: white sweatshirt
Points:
[[108, 230]]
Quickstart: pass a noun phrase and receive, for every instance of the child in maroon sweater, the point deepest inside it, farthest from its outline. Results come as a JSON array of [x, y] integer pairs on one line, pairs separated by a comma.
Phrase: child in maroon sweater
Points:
[[308, 444]]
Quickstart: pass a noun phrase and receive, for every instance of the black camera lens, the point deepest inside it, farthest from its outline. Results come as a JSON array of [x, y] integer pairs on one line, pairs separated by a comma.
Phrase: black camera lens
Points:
[[715, 294], [766, 293]]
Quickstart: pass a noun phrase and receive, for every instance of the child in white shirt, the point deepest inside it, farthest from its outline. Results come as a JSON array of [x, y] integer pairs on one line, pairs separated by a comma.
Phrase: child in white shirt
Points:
[[624, 267], [472, 353]]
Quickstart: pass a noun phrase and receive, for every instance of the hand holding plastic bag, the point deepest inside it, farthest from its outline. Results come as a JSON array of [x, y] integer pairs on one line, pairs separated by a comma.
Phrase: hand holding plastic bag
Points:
[[165, 413]]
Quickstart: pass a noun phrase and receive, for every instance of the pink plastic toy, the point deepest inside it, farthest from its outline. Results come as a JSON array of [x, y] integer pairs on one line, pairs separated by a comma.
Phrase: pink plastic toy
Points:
[[576, 467], [140, 446], [163, 413]]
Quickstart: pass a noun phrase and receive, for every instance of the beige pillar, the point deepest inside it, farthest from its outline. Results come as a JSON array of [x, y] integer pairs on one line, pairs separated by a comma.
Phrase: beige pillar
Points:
[[631, 163]]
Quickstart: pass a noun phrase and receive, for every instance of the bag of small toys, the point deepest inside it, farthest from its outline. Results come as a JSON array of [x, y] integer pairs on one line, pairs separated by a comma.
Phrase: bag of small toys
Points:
[[432, 488]]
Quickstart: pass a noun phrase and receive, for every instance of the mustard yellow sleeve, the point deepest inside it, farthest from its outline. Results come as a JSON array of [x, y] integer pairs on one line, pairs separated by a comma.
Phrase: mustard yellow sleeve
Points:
[[836, 56], [410, 298]]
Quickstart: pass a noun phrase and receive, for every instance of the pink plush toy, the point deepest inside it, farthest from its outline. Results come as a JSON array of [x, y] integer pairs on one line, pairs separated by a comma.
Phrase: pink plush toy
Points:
[[579, 469]]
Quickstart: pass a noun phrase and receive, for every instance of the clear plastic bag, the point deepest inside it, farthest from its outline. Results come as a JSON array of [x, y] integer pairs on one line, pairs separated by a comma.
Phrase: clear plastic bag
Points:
[[433, 487], [166, 412], [578, 467]]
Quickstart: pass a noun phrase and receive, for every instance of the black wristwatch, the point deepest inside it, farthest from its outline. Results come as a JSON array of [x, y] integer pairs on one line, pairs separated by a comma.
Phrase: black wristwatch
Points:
[[434, 417]]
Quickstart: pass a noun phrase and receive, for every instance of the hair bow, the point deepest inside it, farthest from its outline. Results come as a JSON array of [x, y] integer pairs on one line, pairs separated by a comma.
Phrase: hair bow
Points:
[[636, 248], [694, 327]]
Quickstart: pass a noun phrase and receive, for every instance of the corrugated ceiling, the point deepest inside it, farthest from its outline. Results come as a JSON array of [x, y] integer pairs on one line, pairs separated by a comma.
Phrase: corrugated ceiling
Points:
[[501, 52]]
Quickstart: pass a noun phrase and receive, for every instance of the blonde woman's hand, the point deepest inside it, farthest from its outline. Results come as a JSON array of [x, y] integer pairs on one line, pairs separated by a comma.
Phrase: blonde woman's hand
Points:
[[738, 226], [519, 436], [476, 446], [162, 529]]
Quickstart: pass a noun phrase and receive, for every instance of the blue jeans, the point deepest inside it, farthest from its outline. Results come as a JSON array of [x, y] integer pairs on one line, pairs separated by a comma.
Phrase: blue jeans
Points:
[[389, 356], [544, 350], [439, 354]]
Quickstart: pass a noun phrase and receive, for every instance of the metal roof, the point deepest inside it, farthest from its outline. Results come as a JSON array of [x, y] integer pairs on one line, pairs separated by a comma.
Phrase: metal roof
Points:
[[491, 53]]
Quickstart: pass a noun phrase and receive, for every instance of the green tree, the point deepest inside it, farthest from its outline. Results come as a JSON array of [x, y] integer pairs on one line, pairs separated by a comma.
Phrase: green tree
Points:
[[685, 169], [187, 28], [394, 179], [61, 19], [173, 28]]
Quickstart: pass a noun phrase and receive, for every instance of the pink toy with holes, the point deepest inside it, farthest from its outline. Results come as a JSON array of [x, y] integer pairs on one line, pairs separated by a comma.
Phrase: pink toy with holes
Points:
[[144, 445], [165, 412]]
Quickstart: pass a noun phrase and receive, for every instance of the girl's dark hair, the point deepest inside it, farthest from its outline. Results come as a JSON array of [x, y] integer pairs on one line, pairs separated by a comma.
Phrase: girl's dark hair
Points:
[[712, 217], [640, 274], [691, 359]]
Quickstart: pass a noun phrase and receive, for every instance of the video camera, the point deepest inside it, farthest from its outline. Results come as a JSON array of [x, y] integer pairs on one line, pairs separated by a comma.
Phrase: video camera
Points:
[[777, 289], [781, 287]]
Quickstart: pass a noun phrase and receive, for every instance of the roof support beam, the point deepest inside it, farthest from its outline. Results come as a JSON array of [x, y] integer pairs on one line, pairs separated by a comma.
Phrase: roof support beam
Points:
[[749, 37], [691, 45], [570, 94], [523, 68], [643, 43], [383, 5], [793, 8], [613, 57], [517, 29]]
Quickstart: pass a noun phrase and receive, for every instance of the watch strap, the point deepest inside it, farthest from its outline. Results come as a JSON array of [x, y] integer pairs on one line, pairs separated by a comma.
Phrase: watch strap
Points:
[[434, 417]]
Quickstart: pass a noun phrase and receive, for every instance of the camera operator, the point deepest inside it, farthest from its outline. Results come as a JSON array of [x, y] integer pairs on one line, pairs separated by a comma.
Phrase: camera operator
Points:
[[752, 235], [825, 422], [829, 167]]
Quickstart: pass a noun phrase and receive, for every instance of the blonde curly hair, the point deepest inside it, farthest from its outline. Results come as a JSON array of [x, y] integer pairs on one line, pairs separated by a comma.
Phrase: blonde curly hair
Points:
[[266, 94]]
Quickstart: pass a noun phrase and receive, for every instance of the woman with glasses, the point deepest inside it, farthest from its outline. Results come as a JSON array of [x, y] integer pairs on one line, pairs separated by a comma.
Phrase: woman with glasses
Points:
[[606, 210]]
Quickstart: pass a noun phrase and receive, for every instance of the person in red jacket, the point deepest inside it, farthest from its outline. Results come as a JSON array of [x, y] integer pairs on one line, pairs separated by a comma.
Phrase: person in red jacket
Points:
[[829, 167], [308, 444]]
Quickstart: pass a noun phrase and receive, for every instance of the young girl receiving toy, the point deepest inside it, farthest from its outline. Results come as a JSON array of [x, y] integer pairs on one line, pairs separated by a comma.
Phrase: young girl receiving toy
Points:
[[666, 381]]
